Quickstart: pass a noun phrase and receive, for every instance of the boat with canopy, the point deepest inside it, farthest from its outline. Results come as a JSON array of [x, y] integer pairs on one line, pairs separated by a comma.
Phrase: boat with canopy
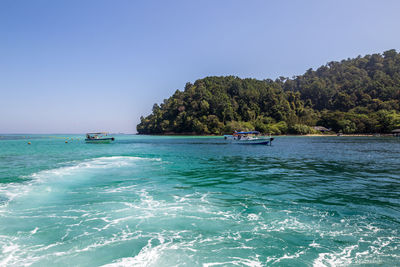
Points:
[[99, 138], [249, 138]]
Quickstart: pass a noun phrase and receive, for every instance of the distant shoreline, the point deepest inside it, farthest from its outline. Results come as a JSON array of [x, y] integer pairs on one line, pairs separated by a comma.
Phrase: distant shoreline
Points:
[[305, 135], [215, 135], [351, 135]]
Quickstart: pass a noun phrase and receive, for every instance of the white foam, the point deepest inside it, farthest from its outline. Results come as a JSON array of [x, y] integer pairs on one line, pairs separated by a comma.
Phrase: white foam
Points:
[[166, 252], [120, 189], [285, 257], [315, 245], [14, 190], [9, 249], [336, 258], [147, 256], [236, 262], [34, 230], [120, 237], [253, 217]]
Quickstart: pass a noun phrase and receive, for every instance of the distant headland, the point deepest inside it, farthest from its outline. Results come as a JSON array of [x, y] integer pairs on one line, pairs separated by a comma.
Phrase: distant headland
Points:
[[354, 96]]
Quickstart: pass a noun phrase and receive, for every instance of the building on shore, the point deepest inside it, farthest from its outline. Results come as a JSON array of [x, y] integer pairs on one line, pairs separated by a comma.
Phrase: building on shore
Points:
[[396, 132], [321, 129]]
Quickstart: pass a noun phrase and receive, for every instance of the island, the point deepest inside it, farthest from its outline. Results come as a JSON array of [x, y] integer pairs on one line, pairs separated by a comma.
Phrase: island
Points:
[[353, 96]]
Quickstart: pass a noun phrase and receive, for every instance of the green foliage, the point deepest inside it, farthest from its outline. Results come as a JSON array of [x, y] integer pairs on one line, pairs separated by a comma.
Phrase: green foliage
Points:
[[277, 128], [238, 126], [360, 95], [301, 129]]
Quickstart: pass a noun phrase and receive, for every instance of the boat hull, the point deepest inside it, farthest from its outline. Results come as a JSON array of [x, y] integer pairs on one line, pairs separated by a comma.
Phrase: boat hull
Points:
[[253, 141], [99, 140]]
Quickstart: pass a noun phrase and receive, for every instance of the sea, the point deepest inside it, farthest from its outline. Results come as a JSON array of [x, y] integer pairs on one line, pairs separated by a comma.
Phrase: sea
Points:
[[199, 201]]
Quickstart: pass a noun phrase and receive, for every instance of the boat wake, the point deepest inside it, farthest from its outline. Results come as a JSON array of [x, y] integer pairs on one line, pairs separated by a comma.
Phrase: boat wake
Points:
[[75, 171], [130, 211]]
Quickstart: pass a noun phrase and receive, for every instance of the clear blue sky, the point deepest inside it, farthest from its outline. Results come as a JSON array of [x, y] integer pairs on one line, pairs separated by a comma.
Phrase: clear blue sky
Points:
[[76, 66]]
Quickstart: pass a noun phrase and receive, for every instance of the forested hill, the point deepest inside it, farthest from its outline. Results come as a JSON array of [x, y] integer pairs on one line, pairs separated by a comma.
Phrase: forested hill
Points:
[[360, 95]]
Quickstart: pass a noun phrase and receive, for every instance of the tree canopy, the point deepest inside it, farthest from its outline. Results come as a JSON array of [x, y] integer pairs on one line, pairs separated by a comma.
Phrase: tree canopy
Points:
[[360, 95]]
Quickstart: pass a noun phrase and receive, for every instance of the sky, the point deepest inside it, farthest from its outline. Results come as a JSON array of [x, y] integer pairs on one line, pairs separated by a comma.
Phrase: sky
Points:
[[77, 66]]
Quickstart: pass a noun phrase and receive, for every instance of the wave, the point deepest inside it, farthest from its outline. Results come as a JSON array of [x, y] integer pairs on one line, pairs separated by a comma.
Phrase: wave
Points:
[[222, 242], [162, 227], [148, 255], [8, 192]]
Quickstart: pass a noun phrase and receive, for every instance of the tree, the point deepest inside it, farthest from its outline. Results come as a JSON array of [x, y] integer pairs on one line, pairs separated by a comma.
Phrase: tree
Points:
[[359, 95]]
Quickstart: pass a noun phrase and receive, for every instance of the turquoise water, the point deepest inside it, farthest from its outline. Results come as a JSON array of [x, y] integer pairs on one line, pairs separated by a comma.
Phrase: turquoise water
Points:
[[196, 201]]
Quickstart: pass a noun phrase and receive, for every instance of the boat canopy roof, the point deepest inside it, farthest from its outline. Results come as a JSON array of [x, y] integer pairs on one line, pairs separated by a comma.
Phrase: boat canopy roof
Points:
[[251, 132], [98, 133]]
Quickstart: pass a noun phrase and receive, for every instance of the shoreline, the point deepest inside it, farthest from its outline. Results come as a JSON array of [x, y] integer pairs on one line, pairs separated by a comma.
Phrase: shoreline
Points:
[[208, 135], [298, 135]]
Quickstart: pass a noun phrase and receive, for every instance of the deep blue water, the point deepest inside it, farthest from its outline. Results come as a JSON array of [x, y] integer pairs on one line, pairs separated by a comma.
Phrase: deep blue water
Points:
[[197, 201]]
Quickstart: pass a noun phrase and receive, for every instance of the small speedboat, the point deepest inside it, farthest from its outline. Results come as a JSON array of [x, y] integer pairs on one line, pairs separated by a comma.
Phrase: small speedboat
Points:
[[98, 138], [249, 138]]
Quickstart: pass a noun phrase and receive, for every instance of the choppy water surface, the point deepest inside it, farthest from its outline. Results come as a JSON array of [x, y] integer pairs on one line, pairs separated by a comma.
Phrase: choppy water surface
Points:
[[187, 201]]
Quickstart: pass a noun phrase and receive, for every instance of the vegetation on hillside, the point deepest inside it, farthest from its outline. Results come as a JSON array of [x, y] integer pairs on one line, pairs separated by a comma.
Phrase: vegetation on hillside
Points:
[[360, 95]]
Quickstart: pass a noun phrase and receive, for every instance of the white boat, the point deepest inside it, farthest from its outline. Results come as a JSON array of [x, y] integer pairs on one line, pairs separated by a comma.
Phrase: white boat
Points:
[[249, 138], [98, 138]]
